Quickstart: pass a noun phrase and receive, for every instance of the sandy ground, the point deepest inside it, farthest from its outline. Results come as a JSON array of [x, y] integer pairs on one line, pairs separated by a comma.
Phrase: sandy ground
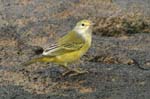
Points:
[[118, 61]]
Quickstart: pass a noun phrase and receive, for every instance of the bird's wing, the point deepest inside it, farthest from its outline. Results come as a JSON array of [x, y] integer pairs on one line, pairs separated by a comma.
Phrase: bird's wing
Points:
[[66, 44]]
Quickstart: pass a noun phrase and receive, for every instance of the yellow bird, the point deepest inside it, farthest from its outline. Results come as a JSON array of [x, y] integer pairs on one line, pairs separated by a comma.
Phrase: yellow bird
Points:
[[70, 47]]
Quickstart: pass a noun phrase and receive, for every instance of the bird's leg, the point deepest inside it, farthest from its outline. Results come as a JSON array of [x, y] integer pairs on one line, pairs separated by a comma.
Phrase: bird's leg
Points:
[[72, 72], [78, 71], [67, 68]]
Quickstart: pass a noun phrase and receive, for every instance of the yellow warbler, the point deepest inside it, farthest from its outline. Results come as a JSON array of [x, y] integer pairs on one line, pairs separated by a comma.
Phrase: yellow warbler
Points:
[[70, 47]]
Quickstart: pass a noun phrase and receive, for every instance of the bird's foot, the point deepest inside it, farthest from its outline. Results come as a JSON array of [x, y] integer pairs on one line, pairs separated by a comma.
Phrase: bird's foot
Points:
[[74, 72], [78, 72]]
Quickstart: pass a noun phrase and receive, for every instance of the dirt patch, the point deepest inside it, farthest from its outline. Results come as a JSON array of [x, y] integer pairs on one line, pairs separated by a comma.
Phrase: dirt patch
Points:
[[118, 61]]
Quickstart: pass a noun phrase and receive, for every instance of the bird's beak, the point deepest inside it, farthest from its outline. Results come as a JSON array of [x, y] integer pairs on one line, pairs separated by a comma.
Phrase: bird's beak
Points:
[[92, 24]]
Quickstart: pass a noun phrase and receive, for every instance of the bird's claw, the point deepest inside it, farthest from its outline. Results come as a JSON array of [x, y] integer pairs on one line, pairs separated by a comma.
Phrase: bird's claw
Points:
[[74, 72]]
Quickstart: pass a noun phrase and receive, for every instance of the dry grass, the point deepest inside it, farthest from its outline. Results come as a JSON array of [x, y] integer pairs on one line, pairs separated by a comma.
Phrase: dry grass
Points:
[[129, 23]]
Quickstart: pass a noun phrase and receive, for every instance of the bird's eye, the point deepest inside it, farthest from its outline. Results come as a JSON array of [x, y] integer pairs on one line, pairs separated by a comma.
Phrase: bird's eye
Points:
[[83, 24]]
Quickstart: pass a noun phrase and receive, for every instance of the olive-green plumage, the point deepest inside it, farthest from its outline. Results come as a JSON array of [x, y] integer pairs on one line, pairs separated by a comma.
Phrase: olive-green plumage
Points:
[[70, 47]]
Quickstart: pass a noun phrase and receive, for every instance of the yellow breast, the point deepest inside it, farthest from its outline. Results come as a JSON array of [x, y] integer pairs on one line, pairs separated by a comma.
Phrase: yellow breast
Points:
[[73, 56]]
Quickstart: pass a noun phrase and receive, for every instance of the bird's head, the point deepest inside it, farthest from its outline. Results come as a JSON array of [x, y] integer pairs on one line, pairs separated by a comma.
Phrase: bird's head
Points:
[[84, 26]]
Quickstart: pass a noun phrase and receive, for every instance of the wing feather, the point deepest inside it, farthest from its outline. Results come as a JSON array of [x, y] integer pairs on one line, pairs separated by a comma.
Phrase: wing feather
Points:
[[66, 44]]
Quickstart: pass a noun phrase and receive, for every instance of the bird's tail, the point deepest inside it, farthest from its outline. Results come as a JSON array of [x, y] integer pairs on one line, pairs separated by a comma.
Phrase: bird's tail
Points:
[[40, 59]]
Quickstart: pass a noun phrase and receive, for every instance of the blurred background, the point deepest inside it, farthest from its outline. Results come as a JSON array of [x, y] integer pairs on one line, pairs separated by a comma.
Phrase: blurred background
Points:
[[118, 61]]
